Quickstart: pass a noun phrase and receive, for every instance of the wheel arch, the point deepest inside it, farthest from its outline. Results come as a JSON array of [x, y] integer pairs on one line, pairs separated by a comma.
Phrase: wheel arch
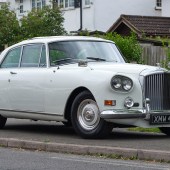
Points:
[[67, 112]]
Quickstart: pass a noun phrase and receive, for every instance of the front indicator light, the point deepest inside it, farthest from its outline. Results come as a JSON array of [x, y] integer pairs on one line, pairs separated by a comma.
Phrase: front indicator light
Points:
[[128, 102], [110, 102]]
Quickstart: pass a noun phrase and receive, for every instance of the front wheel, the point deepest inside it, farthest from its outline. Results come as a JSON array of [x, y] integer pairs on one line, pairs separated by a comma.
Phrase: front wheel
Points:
[[2, 121], [165, 130], [86, 119]]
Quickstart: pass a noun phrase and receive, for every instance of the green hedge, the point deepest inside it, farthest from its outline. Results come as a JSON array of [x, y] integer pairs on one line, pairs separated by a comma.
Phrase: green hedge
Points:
[[128, 45]]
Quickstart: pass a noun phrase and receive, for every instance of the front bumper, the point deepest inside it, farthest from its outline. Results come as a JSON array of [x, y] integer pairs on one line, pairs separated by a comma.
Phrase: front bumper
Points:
[[110, 114]]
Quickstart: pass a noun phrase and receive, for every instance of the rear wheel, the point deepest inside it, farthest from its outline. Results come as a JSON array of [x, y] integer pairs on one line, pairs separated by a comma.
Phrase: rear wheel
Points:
[[165, 130], [86, 119], [2, 121]]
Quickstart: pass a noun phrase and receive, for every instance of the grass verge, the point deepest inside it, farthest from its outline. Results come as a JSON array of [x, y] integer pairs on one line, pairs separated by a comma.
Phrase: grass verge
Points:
[[139, 129]]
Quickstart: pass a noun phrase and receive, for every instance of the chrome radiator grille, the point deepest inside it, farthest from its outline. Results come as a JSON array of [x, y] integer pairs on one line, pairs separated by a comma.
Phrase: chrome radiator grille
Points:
[[157, 89]]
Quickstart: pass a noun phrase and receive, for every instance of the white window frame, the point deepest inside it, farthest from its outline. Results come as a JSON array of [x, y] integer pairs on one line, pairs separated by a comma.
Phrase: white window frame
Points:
[[21, 7], [66, 4], [158, 4], [36, 2]]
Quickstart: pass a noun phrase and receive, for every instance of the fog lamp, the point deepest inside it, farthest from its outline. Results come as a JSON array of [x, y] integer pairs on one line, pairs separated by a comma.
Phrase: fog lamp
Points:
[[128, 102]]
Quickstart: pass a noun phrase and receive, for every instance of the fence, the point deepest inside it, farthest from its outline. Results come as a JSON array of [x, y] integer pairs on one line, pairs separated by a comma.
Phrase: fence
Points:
[[153, 54]]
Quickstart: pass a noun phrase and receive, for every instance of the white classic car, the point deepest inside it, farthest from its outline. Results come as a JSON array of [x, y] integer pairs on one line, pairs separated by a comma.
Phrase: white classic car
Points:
[[83, 82]]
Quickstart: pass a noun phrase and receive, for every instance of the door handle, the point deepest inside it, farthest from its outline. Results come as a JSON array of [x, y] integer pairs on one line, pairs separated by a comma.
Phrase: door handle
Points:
[[11, 72]]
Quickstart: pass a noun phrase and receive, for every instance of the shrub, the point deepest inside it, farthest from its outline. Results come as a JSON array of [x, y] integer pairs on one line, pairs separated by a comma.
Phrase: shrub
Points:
[[128, 45]]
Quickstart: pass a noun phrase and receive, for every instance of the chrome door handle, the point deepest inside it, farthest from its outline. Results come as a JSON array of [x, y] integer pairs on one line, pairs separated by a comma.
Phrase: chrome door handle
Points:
[[11, 72]]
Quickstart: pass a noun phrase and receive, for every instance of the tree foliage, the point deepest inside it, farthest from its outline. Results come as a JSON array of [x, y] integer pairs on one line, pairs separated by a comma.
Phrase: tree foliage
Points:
[[43, 22], [9, 26]]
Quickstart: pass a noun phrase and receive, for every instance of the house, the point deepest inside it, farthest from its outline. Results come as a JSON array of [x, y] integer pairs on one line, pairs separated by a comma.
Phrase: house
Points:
[[2, 2], [96, 14], [143, 26]]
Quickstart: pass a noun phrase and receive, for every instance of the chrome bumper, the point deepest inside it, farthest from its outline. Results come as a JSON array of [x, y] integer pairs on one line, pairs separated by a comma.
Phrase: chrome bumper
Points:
[[122, 114], [109, 114]]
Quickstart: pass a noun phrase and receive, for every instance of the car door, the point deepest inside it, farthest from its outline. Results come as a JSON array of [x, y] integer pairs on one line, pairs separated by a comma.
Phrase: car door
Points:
[[26, 83], [11, 61]]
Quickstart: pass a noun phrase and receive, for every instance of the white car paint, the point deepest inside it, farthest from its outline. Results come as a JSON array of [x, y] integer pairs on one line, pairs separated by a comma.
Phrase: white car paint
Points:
[[42, 93]]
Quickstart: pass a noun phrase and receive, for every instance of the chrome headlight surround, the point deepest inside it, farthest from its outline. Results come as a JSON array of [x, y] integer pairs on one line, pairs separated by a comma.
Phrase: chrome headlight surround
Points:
[[121, 83]]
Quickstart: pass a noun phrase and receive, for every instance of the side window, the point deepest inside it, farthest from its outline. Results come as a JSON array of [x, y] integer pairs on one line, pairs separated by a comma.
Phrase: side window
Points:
[[12, 58], [43, 57], [58, 51], [31, 55]]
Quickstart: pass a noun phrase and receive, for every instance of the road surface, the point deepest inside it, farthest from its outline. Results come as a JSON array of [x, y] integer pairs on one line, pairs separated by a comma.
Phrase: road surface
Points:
[[16, 159]]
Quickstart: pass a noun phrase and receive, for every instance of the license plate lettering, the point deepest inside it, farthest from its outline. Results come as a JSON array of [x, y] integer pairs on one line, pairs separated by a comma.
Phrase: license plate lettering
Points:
[[160, 119]]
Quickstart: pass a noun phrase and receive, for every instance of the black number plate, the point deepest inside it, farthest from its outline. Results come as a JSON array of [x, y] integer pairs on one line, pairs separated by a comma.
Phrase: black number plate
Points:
[[157, 119]]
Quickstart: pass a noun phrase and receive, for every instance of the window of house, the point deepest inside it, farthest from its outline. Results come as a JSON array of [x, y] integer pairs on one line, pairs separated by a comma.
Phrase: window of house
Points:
[[21, 7], [33, 4], [38, 4], [159, 3], [43, 3], [65, 3], [87, 2]]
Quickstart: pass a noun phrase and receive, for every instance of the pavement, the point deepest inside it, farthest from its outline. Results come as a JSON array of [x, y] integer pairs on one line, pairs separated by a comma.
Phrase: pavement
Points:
[[84, 147]]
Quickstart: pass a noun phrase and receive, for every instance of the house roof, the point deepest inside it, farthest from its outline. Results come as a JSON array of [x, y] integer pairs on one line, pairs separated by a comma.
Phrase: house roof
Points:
[[147, 25]]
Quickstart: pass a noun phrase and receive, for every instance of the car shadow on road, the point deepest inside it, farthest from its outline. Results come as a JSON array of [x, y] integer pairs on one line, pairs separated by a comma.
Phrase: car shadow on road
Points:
[[39, 128], [54, 129]]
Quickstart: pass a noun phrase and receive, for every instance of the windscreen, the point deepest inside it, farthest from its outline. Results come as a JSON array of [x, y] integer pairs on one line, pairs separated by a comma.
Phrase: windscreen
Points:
[[84, 50]]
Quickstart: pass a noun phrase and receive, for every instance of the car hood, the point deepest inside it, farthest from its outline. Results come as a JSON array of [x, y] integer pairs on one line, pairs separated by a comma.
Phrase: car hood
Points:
[[125, 68]]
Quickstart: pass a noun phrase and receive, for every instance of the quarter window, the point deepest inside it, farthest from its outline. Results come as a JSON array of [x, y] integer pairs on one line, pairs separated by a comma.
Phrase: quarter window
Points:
[[12, 58]]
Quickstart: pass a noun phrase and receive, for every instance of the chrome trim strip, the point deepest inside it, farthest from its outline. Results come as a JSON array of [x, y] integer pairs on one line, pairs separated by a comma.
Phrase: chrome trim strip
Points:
[[32, 115]]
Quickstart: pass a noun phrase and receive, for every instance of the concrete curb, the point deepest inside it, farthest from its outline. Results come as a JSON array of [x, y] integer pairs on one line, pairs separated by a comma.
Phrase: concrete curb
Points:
[[85, 149]]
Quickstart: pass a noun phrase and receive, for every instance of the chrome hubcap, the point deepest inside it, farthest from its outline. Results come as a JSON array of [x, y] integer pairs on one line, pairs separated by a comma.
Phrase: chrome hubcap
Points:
[[88, 114]]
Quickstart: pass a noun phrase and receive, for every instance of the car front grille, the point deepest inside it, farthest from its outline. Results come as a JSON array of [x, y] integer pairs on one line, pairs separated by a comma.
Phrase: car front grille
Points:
[[157, 89]]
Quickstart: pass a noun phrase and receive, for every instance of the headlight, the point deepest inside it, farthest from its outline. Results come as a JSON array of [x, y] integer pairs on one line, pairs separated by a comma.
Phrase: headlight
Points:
[[121, 83]]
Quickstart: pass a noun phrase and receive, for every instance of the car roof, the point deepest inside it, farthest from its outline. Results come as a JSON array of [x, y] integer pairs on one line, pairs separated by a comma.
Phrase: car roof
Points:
[[58, 38]]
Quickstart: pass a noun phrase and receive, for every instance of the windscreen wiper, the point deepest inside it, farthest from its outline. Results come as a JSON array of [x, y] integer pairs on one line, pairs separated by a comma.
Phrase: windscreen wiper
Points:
[[96, 58], [62, 61]]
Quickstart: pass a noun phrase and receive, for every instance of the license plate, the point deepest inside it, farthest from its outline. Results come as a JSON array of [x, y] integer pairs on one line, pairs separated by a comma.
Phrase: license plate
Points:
[[157, 119]]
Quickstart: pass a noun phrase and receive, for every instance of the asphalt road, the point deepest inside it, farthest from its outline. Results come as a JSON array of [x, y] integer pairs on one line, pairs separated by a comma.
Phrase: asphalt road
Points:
[[16, 159], [56, 132]]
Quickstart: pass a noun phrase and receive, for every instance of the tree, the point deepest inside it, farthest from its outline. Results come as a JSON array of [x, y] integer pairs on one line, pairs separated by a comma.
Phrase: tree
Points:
[[9, 26], [43, 22]]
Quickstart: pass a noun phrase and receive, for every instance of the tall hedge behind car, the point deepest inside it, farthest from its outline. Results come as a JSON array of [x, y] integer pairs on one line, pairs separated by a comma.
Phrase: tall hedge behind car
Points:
[[128, 45]]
